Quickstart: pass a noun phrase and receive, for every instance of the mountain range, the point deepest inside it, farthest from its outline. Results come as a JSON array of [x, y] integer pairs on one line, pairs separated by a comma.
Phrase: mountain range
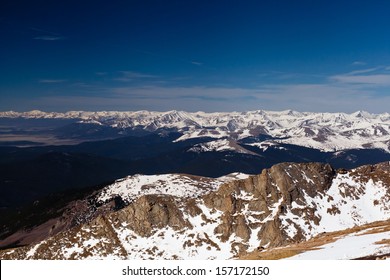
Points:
[[323, 131], [59, 173], [83, 149]]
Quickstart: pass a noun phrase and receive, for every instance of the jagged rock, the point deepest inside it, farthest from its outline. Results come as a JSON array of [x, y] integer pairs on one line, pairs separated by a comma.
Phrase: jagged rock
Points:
[[192, 208], [271, 234], [242, 230], [151, 212]]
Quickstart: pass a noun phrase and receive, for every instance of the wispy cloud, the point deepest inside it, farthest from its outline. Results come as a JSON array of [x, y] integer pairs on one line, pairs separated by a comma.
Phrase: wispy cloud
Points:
[[137, 75], [155, 98], [44, 31], [301, 97], [51, 81], [362, 71], [46, 35], [195, 92], [101, 73], [279, 75], [378, 76], [376, 80], [359, 63], [170, 58], [196, 63], [128, 76], [351, 91], [49, 38], [364, 89]]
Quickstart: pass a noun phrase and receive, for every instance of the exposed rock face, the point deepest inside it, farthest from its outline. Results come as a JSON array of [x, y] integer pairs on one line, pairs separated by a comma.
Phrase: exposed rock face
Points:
[[280, 185], [149, 213], [285, 204]]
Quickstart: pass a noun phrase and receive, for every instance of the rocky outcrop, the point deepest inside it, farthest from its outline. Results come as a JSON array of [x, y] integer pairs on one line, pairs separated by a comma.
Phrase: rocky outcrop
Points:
[[149, 213], [280, 185]]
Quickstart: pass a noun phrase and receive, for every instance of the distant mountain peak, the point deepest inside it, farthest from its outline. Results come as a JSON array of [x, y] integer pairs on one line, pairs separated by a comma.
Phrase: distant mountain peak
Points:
[[361, 114]]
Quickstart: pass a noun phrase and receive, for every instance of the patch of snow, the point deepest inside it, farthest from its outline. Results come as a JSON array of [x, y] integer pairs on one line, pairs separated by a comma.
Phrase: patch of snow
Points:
[[349, 247], [274, 211], [347, 203], [91, 242], [67, 252], [234, 176], [213, 146], [179, 185], [30, 253], [133, 187], [264, 145]]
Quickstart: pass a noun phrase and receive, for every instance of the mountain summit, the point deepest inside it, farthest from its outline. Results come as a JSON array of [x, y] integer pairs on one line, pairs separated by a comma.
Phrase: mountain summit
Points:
[[286, 204]]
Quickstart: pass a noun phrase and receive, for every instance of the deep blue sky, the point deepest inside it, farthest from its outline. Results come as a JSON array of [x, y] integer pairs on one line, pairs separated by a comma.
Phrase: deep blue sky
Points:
[[195, 55]]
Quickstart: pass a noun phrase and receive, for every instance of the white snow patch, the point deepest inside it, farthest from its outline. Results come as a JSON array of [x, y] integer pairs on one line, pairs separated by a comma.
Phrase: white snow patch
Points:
[[179, 185], [349, 247], [264, 145], [213, 146], [32, 251], [347, 203], [75, 249], [274, 211]]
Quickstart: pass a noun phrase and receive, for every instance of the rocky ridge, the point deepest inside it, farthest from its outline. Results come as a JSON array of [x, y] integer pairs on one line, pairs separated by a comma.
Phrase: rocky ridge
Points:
[[285, 204], [114, 197]]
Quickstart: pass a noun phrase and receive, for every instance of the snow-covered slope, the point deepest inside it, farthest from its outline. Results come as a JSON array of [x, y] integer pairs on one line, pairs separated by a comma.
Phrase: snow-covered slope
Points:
[[285, 204], [178, 185], [350, 201], [351, 246], [325, 131]]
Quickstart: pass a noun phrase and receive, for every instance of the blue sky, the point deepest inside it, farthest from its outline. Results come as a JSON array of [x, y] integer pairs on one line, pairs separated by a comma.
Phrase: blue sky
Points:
[[195, 55]]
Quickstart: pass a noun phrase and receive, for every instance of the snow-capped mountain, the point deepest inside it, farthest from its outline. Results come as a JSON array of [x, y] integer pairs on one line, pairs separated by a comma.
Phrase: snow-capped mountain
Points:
[[324, 131], [284, 205]]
